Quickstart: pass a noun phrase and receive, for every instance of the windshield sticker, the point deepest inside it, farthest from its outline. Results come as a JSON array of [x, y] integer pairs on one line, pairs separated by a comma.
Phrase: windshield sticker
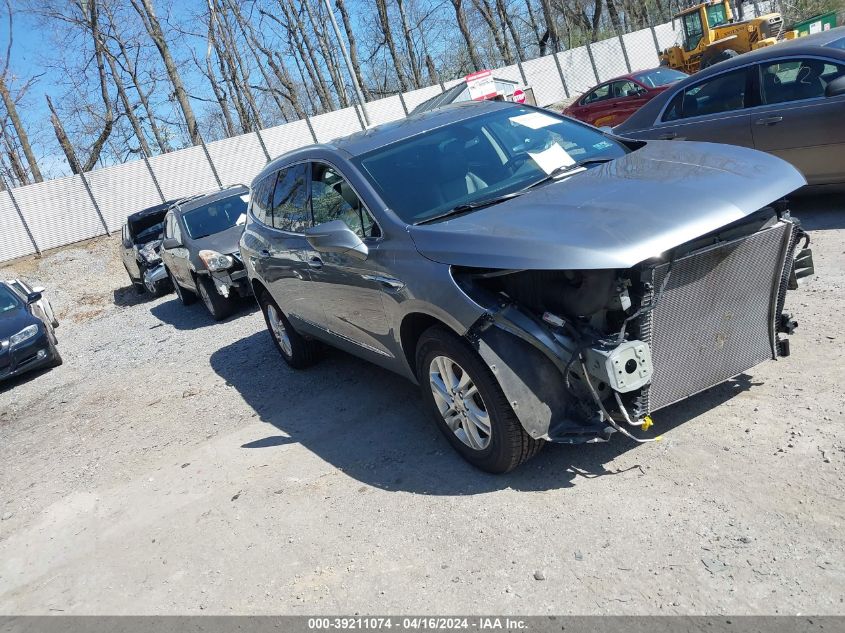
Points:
[[241, 219], [552, 158], [245, 198], [602, 145], [535, 120]]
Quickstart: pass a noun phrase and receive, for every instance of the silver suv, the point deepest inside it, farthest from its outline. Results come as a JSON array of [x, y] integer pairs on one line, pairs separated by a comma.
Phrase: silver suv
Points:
[[540, 279]]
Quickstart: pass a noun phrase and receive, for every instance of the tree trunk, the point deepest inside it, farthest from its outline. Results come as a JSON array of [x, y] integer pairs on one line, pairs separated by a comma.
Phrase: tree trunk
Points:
[[18, 169], [353, 47], [145, 11], [384, 20], [462, 25], [108, 118], [486, 12], [551, 28], [20, 131], [614, 17], [329, 59], [505, 17], [64, 141], [541, 39], [409, 44], [127, 105]]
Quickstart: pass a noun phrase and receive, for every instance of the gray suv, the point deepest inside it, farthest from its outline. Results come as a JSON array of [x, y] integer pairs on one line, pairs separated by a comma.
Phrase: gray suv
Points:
[[539, 279], [199, 249]]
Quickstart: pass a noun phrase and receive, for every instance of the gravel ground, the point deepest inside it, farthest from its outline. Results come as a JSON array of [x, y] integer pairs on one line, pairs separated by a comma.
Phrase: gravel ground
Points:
[[175, 465]]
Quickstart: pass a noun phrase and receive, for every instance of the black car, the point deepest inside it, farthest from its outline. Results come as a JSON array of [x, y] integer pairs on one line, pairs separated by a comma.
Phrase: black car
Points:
[[200, 249], [27, 339], [140, 246]]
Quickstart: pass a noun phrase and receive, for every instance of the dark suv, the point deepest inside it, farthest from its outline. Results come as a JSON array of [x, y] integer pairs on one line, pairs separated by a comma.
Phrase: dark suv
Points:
[[200, 249], [140, 246]]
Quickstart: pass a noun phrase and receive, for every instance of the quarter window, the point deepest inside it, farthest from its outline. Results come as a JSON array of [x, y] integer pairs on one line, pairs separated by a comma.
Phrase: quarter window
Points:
[[796, 79], [290, 199], [332, 198], [723, 93]]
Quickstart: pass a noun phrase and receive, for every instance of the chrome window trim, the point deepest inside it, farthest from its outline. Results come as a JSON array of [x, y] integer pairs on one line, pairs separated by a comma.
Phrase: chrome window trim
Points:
[[660, 122]]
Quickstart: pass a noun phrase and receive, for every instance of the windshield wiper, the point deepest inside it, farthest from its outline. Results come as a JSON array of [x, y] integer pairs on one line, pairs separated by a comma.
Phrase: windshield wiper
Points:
[[565, 169], [471, 206]]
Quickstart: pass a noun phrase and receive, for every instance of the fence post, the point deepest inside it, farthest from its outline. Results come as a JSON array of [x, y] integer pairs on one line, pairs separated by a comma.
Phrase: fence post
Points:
[[402, 101], [522, 73], [310, 128], [94, 202], [560, 74], [656, 43], [211, 164], [593, 63], [20, 214], [625, 53], [263, 146], [358, 114], [153, 176]]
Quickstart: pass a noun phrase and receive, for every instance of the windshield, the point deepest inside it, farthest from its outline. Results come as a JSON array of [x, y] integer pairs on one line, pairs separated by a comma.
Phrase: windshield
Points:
[[216, 216], [473, 160], [150, 233], [8, 299], [659, 77]]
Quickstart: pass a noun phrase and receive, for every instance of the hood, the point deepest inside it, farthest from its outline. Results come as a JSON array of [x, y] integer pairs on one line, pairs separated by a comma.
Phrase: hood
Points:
[[617, 214], [14, 321], [225, 242]]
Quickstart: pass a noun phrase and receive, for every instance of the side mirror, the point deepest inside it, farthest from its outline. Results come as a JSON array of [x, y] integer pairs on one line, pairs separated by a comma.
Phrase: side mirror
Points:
[[835, 88], [32, 297], [170, 242], [336, 237]]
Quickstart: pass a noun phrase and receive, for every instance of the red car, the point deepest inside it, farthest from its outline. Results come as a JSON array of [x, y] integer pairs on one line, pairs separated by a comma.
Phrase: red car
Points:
[[612, 102]]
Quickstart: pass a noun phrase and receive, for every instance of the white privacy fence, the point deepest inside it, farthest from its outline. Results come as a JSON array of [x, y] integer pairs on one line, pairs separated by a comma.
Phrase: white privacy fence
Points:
[[46, 215]]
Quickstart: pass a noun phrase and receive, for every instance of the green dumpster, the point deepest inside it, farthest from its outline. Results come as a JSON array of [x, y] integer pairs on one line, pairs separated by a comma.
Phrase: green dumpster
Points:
[[816, 24]]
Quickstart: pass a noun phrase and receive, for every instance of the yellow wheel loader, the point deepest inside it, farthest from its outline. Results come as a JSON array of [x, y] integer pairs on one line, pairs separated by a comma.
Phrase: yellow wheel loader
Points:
[[710, 35]]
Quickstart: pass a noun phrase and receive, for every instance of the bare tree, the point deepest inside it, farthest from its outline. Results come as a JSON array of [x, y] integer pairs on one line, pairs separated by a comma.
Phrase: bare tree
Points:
[[145, 11], [11, 107], [409, 44], [353, 47], [387, 32], [499, 37], [461, 17]]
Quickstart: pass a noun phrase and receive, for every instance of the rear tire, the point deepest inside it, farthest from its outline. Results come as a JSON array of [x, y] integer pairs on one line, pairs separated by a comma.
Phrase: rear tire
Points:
[[187, 297], [297, 351], [482, 426], [218, 306]]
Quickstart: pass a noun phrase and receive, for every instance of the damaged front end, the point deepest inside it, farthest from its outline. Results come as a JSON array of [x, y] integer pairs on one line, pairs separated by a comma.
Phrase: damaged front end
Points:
[[582, 354]]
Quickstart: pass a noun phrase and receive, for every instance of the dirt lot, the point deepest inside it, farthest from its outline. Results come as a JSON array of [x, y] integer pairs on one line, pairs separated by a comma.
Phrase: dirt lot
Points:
[[174, 465]]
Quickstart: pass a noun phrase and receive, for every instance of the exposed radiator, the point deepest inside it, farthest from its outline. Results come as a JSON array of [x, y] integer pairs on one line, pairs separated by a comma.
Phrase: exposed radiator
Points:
[[715, 318]]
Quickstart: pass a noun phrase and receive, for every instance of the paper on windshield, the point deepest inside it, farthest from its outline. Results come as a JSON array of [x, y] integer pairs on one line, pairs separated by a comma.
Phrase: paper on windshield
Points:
[[550, 159], [241, 219], [245, 197], [535, 120]]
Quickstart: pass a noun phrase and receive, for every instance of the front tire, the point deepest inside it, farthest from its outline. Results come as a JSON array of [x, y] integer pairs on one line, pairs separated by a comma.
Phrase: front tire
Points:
[[297, 351], [468, 404], [218, 307]]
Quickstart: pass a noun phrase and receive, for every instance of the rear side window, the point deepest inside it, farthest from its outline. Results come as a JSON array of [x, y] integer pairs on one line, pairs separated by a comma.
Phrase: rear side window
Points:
[[797, 79], [260, 197], [723, 93], [290, 199]]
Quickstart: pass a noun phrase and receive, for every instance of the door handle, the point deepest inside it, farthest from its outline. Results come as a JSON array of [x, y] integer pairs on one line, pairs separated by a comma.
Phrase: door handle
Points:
[[315, 262], [390, 282], [769, 120], [669, 136]]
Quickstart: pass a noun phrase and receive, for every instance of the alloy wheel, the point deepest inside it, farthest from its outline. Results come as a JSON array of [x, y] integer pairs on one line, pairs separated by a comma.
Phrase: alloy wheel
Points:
[[459, 402], [277, 328]]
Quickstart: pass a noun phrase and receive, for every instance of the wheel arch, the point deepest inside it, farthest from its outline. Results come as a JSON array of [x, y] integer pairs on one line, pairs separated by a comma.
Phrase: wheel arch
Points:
[[411, 329]]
